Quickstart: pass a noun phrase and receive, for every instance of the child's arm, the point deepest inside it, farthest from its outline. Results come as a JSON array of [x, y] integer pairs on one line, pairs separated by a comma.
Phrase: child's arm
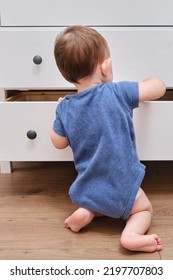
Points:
[[151, 89], [58, 141]]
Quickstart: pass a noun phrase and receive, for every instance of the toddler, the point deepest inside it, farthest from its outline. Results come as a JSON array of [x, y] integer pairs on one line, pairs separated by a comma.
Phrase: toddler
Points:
[[97, 124]]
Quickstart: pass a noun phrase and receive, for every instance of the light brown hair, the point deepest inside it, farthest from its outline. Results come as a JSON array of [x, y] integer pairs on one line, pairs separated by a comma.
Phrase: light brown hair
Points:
[[78, 50]]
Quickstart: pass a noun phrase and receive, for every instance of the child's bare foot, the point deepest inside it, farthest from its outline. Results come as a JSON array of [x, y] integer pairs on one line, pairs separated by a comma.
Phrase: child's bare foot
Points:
[[145, 243], [79, 219], [154, 243], [158, 242]]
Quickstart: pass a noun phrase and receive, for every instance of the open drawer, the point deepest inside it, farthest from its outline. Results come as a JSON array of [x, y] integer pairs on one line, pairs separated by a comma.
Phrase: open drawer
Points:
[[23, 112], [26, 119]]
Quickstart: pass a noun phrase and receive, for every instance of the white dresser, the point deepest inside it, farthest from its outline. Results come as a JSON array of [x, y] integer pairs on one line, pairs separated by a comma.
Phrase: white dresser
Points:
[[140, 36]]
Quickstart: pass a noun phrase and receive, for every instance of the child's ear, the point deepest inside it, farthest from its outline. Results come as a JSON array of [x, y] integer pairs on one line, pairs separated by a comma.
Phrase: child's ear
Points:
[[105, 66]]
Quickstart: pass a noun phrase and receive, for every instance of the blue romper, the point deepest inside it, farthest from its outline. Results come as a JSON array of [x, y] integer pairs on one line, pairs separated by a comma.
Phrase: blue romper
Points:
[[98, 125]]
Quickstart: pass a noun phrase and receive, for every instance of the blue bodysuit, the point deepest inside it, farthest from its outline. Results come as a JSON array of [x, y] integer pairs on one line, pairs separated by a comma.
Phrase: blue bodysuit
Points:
[[98, 125]]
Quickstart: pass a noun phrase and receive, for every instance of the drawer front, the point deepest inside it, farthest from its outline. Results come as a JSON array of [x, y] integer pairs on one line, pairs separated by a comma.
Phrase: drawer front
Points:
[[154, 133], [18, 70], [16, 119], [152, 120], [90, 12], [136, 53]]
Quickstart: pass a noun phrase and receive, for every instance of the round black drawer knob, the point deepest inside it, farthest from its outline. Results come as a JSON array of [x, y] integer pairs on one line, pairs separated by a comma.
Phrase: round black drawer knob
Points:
[[31, 134], [37, 59]]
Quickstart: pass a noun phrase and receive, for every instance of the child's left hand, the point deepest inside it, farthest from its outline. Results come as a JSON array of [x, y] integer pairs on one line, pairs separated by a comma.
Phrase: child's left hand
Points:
[[60, 99]]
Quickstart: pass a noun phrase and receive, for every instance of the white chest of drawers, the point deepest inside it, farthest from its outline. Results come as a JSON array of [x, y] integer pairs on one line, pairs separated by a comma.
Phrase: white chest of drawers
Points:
[[140, 35]]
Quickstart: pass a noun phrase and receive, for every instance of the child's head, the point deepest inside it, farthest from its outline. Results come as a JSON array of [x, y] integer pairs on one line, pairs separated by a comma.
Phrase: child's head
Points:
[[78, 50]]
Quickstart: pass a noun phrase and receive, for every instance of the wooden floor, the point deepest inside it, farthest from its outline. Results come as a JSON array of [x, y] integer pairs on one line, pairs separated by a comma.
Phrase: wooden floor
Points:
[[34, 203]]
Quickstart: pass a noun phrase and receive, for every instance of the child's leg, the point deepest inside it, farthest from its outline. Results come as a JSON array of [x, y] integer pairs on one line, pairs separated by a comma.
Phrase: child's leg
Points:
[[79, 219], [133, 236]]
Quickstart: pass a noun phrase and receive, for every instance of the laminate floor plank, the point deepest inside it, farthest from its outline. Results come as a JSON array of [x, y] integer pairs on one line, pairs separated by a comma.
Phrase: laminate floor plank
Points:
[[34, 202]]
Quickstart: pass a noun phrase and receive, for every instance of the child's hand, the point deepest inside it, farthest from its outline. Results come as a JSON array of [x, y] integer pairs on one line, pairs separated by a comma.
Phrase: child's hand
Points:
[[60, 99], [151, 89]]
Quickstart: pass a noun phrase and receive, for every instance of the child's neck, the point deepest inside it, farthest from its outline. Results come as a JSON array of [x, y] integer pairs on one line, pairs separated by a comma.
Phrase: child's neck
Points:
[[87, 82], [81, 87]]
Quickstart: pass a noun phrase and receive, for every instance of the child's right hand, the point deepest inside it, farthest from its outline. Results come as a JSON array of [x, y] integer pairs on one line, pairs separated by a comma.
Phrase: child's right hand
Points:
[[151, 89]]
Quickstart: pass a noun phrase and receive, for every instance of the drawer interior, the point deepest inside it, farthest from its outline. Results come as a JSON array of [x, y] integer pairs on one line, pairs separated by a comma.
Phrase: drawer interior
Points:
[[168, 96], [37, 96], [54, 95]]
